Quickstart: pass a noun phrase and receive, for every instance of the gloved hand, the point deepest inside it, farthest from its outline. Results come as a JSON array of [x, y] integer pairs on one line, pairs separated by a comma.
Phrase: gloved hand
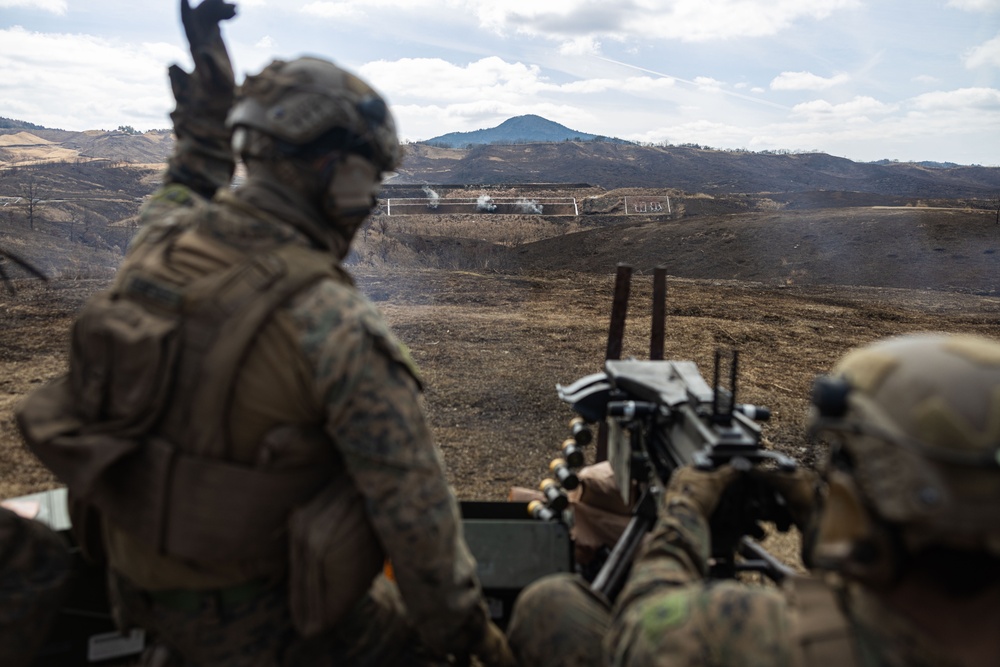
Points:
[[211, 61], [700, 488], [493, 649], [202, 22], [203, 158], [798, 488]]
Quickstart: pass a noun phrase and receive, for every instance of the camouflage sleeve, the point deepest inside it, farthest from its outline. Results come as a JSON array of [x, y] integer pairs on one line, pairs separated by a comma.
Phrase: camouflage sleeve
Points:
[[158, 213], [373, 414], [669, 614], [706, 623], [676, 554]]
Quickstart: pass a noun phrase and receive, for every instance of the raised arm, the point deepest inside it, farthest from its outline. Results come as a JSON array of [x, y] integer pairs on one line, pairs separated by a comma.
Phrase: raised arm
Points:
[[202, 159]]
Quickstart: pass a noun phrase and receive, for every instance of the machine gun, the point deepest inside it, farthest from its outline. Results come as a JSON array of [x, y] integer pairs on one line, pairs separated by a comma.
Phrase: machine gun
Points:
[[655, 416]]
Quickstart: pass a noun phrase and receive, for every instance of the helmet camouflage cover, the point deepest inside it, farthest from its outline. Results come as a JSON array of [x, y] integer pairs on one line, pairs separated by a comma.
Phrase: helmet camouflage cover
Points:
[[919, 418], [303, 101]]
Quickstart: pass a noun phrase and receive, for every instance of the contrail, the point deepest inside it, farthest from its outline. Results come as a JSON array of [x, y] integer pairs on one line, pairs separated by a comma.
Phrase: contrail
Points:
[[748, 98]]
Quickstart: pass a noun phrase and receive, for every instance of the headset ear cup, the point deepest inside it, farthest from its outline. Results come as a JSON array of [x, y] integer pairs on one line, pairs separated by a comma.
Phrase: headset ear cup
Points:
[[847, 537], [841, 522]]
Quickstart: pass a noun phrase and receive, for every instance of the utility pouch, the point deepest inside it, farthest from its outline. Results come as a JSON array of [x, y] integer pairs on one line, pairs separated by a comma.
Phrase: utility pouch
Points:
[[121, 365], [334, 556], [82, 424]]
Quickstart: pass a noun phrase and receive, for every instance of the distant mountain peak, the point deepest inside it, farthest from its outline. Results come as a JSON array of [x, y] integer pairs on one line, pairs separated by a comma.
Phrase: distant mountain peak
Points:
[[518, 130]]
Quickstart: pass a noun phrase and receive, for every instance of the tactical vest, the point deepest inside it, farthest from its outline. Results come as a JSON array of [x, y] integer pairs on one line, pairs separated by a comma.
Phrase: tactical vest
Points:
[[138, 428], [821, 630]]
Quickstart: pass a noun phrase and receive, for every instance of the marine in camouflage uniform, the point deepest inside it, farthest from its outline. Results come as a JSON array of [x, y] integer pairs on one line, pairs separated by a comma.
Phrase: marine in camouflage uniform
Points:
[[905, 545], [34, 575], [322, 391]]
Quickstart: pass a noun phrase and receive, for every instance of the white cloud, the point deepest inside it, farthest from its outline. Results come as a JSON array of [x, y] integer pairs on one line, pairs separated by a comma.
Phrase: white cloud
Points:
[[686, 20], [333, 10], [492, 79], [708, 83], [54, 6], [580, 46], [562, 20], [926, 79], [357, 9], [962, 99], [975, 5], [440, 80], [859, 107], [638, 86], [984, 55], [266, 42], [81, 82], [806, 81]]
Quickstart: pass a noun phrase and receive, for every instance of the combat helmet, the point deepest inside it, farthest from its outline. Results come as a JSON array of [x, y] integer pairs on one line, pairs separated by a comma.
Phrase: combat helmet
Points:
[[330, 133], [913, 423]]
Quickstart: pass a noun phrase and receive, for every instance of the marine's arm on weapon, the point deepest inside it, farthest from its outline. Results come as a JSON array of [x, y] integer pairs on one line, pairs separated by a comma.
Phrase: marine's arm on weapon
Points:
[[680, 546]]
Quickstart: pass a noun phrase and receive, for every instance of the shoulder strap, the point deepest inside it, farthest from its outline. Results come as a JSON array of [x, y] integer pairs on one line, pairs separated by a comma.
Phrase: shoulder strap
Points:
[[821, 630]]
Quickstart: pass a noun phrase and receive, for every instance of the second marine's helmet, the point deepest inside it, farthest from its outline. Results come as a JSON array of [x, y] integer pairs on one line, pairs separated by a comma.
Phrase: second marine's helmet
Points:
[[914, 428]]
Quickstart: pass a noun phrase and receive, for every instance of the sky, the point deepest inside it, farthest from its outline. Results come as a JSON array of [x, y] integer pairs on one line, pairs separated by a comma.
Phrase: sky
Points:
[[904, 80]]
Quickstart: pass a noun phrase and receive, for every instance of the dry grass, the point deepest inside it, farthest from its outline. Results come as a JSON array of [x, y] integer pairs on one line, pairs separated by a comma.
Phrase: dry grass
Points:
[[493, 336]]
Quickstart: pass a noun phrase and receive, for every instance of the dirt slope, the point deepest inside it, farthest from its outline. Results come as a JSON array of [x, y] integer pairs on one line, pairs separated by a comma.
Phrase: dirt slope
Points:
[[691, 169], [902, 247]]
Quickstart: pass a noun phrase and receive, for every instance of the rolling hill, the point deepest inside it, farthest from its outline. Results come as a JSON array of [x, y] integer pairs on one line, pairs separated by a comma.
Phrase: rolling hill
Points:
[[611, 165], [517, 130], [556, 154]]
